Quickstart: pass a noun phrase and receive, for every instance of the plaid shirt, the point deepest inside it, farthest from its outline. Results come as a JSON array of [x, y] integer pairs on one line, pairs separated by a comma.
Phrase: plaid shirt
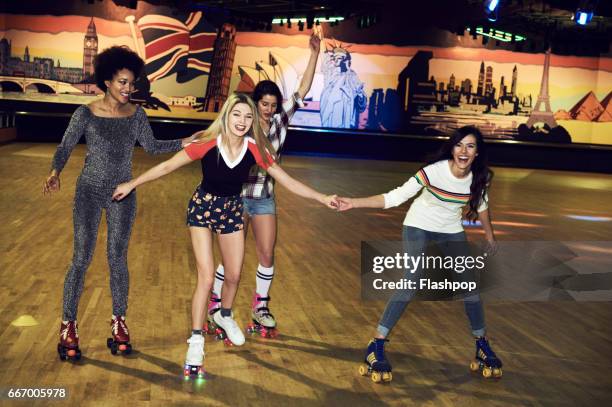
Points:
[[260, 184]]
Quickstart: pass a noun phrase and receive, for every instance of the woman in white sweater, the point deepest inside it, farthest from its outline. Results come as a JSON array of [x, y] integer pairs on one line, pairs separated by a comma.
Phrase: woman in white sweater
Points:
[[459, 177]]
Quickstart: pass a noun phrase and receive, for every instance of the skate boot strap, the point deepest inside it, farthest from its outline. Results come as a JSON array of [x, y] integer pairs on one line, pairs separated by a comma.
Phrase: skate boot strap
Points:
[[215, 299], [263, 298], [264, 311]]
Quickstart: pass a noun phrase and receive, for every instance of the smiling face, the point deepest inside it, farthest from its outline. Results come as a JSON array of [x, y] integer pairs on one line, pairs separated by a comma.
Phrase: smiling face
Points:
[[240, 119], [465, 152], [267, 107], [121, 86]]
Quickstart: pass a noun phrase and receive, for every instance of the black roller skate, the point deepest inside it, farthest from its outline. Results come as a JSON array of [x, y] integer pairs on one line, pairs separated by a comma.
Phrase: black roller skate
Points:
[[68, 346], [377, 366], [120, 342], [485, 360], [195, 358], [263, 322]]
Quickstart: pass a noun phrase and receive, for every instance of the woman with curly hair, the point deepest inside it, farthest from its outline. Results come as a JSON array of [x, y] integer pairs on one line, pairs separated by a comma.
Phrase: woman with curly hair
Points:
[[111, 126], [457, 177]]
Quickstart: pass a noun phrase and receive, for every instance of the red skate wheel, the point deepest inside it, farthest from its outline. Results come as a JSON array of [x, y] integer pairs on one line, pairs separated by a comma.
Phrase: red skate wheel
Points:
[[71, 353], [122, 347]]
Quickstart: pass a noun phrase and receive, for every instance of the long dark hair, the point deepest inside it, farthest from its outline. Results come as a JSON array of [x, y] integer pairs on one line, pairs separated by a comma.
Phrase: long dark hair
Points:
[[481, 173], [268, 87]]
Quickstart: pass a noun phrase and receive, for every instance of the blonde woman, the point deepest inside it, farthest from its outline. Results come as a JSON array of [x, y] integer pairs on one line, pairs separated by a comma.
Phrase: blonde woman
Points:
[[228, 149]]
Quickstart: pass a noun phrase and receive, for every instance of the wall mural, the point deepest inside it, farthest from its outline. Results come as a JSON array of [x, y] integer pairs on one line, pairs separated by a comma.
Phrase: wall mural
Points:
[[191, 67]]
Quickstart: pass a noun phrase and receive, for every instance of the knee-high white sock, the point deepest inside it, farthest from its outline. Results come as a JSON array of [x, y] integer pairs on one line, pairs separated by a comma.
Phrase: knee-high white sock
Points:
[[219, 277], [263, 280]]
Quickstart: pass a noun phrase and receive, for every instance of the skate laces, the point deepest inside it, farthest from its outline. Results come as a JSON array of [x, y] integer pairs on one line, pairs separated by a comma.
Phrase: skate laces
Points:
[[119, 322], [486, 348], [229, 323], [196, 340], [70, 327], [379, 349]]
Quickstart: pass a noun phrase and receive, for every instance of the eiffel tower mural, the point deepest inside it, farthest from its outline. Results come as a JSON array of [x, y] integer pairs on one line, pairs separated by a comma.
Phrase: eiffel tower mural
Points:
[[537, 114]]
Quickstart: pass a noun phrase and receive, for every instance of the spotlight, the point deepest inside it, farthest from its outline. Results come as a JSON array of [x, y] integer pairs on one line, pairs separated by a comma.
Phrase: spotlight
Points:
[[583, 17], [585, 11], [492, 9]]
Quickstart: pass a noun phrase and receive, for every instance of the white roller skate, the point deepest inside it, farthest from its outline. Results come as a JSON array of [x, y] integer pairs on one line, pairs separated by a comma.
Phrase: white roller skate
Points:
[[194, 359], [230, 328]]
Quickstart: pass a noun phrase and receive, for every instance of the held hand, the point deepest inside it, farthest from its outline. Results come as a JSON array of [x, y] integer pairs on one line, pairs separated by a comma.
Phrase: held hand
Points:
[[345, 204], [122, 191], [330, 201], [315, 42], [51, 184]]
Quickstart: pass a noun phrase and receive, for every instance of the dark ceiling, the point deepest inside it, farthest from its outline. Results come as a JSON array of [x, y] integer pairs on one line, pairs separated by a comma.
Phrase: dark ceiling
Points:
[[407, 22]]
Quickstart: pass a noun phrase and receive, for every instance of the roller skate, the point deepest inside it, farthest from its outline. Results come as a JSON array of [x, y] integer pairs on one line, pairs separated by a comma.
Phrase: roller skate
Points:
[[195, 358], [485, 360], [228, 330], [214, 305], [68, 346], [376, 365], [121, 338], [263, 321]]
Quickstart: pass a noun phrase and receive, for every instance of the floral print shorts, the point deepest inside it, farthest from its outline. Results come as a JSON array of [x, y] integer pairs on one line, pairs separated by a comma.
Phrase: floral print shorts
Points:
[[221, 214]]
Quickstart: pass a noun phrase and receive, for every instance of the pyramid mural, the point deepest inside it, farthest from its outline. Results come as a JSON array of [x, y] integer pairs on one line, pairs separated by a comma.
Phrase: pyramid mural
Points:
[[606, 115], [587, 109]]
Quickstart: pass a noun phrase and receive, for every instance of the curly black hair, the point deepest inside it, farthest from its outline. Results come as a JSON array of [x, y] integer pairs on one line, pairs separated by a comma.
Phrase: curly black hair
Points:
[[267, 87], [108, 62]]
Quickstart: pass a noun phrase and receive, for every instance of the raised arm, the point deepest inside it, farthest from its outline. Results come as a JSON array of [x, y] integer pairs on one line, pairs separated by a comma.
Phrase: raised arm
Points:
[[306, 83], [178, 160], [300, 189]]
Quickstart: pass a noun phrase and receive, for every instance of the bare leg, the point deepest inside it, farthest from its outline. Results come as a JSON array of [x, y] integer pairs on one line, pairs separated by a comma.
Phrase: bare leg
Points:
[[201, 239], [232, 254]]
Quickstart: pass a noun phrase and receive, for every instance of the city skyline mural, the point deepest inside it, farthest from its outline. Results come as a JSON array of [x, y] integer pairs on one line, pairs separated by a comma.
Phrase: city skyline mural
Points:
[[192, 66]]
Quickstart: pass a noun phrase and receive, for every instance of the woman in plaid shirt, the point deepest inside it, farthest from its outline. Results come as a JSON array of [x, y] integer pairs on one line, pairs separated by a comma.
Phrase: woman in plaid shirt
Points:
[[258, 192]]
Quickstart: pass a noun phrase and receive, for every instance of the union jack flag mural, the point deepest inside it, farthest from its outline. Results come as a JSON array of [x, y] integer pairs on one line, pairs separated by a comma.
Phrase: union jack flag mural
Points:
[[172, 46]]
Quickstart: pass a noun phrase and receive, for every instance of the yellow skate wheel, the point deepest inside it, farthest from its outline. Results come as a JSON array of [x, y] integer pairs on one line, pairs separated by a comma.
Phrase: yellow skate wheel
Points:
[[487, 372], [387, 376], [497, 372], [363, 370], [474, 366], [376, 377]]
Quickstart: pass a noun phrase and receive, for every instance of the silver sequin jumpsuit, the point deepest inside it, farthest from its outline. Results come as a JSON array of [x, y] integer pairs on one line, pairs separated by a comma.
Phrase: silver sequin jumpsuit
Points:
[[110, 145]]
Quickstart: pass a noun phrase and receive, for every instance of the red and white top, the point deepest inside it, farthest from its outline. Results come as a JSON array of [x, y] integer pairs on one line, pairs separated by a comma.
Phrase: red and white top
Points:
[[220, 176]]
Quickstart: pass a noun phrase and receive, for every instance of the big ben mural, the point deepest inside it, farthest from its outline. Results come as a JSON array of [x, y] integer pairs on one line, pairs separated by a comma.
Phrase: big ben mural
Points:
[[90, 50]]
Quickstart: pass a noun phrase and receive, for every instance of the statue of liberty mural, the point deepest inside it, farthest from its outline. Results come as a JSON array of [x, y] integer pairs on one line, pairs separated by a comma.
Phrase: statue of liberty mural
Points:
[[343, 97]]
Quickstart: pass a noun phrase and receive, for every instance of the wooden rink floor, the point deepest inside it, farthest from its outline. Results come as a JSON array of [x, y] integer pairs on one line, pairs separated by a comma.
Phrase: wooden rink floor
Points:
[[555, 353]]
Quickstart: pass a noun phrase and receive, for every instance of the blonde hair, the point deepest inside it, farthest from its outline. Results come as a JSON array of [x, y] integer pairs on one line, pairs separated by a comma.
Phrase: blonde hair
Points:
[[219, 126]]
